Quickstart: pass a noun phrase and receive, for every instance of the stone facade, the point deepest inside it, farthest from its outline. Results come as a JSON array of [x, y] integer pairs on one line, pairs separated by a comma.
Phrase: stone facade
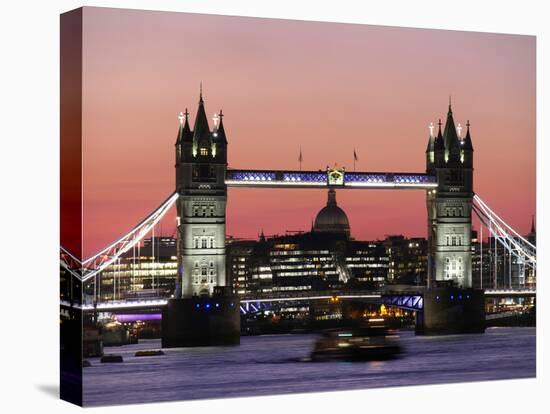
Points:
[[201, 163], [450, 158]]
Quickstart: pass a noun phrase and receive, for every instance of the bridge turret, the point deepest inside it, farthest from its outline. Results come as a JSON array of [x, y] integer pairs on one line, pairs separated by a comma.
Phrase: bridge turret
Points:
[[450, 138], [184, 139], [439, 148], [202, 137], [219, 140], [467, 149], [430, 151]]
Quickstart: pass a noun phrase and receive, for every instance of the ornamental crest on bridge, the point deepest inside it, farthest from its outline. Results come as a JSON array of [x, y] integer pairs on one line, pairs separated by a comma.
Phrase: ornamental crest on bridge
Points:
[[335, 176]]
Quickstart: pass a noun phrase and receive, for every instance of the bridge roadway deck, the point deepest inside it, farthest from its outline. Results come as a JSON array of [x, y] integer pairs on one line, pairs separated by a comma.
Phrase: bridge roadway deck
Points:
[[151, 304]]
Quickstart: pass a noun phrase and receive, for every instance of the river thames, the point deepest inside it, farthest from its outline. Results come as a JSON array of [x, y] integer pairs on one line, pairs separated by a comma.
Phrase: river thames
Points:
[[277, 364]]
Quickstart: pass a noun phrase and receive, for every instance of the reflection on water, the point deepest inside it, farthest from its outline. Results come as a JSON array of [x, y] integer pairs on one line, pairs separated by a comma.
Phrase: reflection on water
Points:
[[274, 364]]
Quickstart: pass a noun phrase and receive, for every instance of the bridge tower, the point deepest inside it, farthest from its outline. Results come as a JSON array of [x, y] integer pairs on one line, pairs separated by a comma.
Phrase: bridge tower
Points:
[[202, 313], [201, 163], [450, 158]]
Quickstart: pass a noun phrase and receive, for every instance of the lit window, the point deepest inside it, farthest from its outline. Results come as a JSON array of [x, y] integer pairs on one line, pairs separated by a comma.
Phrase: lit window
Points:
[[204, 151]]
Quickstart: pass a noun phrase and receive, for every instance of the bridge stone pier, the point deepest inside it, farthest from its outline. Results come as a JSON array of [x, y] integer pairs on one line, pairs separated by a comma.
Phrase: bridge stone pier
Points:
[[441, 310], [449, 310]]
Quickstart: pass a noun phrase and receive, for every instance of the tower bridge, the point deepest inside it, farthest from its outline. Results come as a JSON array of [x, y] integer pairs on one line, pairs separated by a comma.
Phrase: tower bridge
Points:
[[200, 197]]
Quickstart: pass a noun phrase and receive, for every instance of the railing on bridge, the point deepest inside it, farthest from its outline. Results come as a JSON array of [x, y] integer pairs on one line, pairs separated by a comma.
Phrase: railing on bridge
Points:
[[404, 301], [276, 178], [310, 295], [410, 298]]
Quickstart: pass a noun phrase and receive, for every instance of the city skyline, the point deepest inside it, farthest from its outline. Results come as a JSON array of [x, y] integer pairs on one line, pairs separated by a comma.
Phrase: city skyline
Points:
[[330, 102]]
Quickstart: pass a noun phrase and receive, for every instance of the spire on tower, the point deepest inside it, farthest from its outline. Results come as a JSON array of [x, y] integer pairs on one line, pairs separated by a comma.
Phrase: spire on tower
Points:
[[430, 146], [450, 136], [184, 132], [216, 119], [533, 229], [439, 143], [331, 201], [201, 131], [467, 141], [220, 131]]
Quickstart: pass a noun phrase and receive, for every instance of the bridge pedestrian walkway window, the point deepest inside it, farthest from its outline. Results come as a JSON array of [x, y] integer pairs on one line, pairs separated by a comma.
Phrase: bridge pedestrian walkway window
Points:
[[204, 211], [453, 240]]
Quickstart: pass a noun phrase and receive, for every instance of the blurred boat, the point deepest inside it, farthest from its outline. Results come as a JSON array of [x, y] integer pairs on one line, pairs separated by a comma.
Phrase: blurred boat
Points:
[[357, 344]]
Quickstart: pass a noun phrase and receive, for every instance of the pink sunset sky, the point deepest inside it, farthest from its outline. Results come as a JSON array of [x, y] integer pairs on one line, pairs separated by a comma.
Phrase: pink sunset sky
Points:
[[325, 87]]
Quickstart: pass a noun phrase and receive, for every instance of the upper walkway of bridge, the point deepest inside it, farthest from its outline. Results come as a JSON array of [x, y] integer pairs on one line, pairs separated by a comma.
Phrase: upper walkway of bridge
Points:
[[331, 177]]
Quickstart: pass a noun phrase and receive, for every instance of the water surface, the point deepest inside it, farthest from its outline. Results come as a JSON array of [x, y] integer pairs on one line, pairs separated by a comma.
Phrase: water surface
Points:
[[275, 364]]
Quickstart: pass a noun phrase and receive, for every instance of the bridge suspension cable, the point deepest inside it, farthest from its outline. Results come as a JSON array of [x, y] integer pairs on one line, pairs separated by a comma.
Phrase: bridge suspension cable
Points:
[[90, 267], [512, 242]]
